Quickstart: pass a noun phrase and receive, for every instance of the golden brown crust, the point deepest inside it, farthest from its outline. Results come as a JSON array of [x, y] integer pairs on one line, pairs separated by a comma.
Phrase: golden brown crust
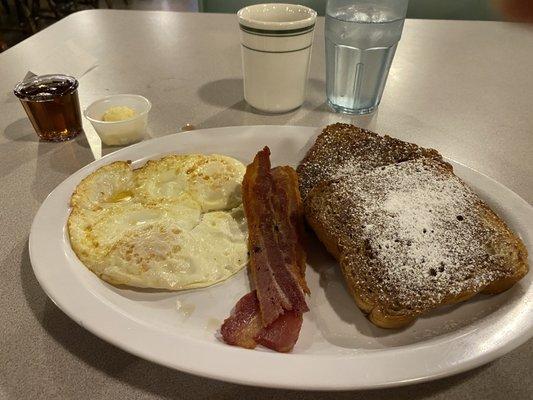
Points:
[[340, 144], [411, 237], [80, 193]]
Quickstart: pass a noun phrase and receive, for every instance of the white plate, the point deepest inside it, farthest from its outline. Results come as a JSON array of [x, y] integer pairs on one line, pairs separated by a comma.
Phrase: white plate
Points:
[[338, 348]]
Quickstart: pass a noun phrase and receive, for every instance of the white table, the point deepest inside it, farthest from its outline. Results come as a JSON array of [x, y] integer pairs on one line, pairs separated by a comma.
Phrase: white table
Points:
[[465, 88]]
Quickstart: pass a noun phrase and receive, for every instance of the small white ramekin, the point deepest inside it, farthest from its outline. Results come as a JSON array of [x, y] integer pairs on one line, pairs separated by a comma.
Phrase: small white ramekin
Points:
[[120, 133]]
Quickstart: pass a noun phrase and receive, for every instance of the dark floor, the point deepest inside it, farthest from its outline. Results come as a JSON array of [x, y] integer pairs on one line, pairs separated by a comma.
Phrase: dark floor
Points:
[[14, 29]]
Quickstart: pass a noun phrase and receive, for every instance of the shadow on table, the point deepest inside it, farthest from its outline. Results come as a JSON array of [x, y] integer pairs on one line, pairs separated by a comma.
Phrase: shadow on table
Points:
[[62, 160], [222, 93], [21, 139], [227, 94], [67, 156], [168, 383], [53, 162], [21, 131]]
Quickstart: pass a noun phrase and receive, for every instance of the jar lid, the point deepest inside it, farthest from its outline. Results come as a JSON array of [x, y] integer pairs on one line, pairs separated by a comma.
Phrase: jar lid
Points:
[[45, 87]]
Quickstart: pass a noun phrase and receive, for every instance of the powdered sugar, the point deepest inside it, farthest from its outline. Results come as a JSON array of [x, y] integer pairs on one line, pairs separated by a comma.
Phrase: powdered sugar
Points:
[[408, 233], [343, 146], [416, 224], [420, 225]]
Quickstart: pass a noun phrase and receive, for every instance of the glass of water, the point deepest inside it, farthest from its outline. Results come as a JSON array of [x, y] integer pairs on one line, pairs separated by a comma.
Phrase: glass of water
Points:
[[361, 39]]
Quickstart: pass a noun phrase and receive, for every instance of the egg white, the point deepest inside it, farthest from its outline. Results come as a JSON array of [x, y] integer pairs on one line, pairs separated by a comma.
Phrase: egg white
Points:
[[210, 180], [176, 223]]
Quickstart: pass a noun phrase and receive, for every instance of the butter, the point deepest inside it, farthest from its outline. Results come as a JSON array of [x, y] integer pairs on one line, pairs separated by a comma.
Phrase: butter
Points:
[[118, 113]]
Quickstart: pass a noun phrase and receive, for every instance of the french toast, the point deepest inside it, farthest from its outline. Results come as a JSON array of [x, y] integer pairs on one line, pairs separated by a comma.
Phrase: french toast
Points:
[[409, 235], [340, 145]]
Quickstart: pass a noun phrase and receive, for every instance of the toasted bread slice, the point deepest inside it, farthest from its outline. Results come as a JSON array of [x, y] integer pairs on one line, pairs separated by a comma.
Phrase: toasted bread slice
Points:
[[341, 144], [409, 235]]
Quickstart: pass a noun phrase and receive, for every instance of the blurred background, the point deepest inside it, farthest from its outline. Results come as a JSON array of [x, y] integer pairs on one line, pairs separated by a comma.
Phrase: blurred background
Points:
[[22, 18]]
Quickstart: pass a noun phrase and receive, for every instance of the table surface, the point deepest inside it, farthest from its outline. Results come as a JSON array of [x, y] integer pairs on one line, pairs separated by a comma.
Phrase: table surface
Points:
[[462, 87]]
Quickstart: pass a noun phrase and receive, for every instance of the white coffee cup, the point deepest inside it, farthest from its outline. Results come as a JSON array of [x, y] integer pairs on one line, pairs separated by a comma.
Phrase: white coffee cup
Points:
[[276, 48]]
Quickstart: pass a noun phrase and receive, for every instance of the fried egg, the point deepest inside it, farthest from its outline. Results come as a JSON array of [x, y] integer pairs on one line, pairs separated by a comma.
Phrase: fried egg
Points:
[[175, 223]]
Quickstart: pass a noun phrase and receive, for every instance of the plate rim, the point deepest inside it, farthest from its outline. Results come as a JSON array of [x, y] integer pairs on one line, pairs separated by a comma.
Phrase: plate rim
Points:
[[293, 383]]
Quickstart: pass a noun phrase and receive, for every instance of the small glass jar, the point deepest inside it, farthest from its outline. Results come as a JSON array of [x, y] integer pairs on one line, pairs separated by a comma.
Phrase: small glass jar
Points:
[[52, 105]]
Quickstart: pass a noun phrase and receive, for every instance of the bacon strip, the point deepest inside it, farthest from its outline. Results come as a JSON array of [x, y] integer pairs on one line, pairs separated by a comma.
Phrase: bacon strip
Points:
[[244, 324], [259, 182], [272, 240], [282, 334], [272, 314], [291, 237], [243, 328]]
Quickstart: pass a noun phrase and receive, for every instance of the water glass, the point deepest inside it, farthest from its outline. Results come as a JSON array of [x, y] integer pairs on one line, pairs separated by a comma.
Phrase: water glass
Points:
[[361, 39]]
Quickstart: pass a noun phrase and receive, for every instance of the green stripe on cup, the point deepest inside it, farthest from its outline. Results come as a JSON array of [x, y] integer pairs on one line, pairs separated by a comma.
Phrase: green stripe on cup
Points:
[[275, 52], [282, 32]]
